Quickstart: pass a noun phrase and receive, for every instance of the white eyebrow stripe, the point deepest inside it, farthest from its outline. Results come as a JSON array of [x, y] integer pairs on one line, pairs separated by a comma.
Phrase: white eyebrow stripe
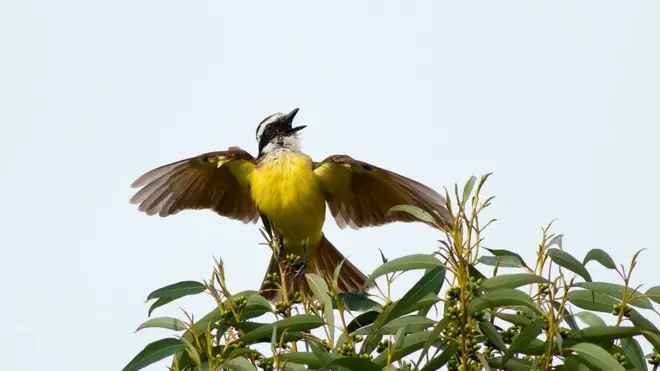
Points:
[[267, 121]]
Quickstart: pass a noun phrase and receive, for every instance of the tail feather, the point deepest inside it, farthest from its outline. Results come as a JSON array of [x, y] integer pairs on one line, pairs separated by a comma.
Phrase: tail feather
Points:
[[326, 260]]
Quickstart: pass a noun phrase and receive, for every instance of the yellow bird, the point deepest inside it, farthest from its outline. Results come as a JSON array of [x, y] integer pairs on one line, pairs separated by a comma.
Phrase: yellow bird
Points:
[[289, 191]]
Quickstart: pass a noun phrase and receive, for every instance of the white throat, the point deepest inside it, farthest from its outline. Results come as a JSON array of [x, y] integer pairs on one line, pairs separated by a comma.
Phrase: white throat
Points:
[[278, 145]]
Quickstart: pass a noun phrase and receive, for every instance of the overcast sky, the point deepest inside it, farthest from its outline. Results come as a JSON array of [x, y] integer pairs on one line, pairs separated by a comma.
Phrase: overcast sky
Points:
[[559, 100]]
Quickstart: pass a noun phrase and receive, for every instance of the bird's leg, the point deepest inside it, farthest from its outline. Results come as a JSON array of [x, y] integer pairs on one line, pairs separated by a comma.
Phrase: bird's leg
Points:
[[302, 266], [280, 247]]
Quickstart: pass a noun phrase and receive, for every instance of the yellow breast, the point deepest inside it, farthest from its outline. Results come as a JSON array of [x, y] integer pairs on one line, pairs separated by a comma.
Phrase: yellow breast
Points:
[[286, 190]]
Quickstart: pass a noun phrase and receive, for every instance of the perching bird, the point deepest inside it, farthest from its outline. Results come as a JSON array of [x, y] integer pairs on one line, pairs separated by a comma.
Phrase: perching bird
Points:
[[289, 191]]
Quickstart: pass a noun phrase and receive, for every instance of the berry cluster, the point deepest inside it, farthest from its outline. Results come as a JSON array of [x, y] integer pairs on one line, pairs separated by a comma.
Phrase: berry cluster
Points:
[[621, 358], [271, 279], [266, 364], [348, 348], [654, 359], [616, 309], [382, 346]]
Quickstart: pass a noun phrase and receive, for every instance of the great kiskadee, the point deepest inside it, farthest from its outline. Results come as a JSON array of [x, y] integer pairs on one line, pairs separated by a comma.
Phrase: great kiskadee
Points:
[[289, 190]]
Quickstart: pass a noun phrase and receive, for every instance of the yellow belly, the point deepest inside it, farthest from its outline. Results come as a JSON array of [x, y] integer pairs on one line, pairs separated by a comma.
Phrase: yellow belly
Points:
[[286, 190]]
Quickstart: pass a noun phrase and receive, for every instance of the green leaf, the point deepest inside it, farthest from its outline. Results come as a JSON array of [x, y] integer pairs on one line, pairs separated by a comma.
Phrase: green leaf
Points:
[[616, 291], [240, 364], [414, 211], [596, 357], [422, 288], [493, 335], [511, 281], [513, 318], [513, 364], [566, 260], [467, 189], [159, 303], [633, 351], [653, 338], [527, 334], [590, 319], [352, 363], [404, 347], [502, 252], [364, 319], [358, 301], [501, 298], [178, 290], [154, 352], [444, 357], [303, 358], [640, 321], [414, 323], [322, 294], [435, 291], [405, 263], [163, 322], [484, 362], [301, 322], [590, 300], [556, 240], [604, 333], [600, 256], [500, 261], [654, 294], [433, 336], [566, 316], [255, 306]]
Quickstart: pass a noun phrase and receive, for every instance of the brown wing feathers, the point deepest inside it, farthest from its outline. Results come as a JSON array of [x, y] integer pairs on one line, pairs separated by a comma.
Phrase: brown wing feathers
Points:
[[202, 182], [371, 192]]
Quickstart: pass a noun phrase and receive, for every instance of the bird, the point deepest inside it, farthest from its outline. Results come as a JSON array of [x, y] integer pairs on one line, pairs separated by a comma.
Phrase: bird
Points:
[[289, 192]]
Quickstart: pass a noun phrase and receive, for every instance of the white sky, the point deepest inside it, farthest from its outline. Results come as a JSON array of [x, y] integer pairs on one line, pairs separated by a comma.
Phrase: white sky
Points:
[[559, 100]]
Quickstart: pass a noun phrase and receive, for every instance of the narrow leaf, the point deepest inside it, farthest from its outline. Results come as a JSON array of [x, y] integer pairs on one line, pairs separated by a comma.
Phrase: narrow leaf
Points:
[[590, 319], [163, 322], [501, 298], [590, 300], [423, 287], [240, 364], [653, 338], [617, 291], [414, 211], [502, 252], [527, 334], [352, 363], [654, 294], [600, 256], [322, 294], [633, 352], [159, 303], [358, 301], [511, 281], [405, 263], [154, 352], [556, 240], [178, 290], [493, 335], [596, 357], [566, 260], [444, 357], [605, 333], [500, 261], [301, 322], [467, 189]]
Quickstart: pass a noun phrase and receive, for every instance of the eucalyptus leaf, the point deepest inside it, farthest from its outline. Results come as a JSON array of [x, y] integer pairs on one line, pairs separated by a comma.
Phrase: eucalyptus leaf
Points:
[[566, 260]]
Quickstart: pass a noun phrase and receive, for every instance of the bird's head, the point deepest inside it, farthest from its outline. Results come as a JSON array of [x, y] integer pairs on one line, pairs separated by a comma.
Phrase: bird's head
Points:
[[277, 132]]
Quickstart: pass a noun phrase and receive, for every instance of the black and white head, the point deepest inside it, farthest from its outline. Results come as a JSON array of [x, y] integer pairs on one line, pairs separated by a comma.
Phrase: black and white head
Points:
[[276, 132]]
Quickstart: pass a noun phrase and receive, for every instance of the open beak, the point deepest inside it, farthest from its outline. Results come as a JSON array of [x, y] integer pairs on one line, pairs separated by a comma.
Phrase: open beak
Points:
[[288, 118]]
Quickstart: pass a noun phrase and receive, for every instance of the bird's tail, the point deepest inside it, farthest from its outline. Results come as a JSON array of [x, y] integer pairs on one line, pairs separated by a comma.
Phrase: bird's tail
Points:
[[325, 260]]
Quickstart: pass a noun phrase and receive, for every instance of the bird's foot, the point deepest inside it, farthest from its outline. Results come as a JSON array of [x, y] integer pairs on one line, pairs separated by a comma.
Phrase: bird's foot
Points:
[[301, 265]]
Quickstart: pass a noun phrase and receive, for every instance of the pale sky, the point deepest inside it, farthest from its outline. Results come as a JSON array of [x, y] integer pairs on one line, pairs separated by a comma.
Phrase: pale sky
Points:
[[558, 99]]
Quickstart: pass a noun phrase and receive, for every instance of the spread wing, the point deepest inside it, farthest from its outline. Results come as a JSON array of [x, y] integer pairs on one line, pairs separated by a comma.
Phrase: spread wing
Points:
[[360, 195], [216, 180]]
